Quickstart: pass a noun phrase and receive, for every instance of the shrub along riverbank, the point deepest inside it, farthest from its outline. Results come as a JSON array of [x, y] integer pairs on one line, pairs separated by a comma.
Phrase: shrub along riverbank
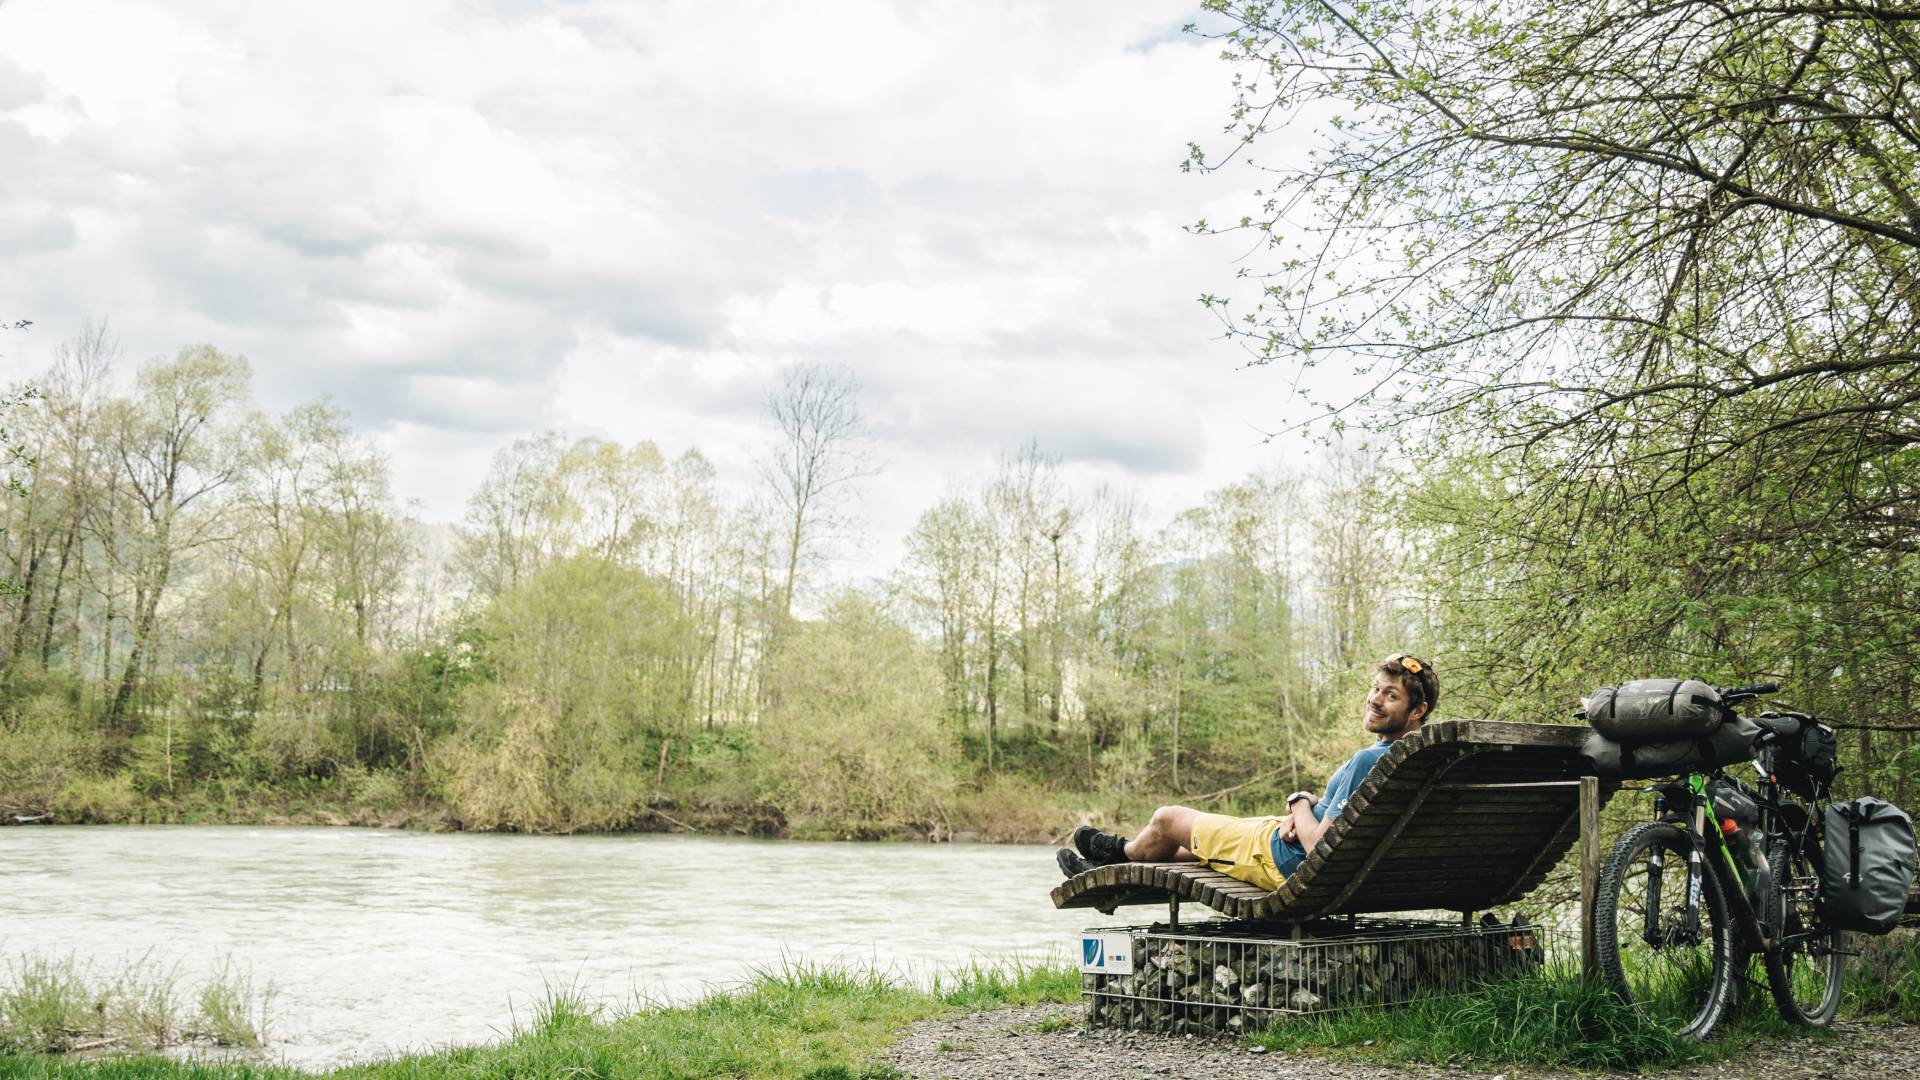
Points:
[[57, 1006], [994, 809], [1008, 811]]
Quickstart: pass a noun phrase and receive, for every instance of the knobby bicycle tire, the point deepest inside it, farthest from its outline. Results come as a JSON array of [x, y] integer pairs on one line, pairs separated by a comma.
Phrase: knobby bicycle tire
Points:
[[1680, 983], [1806, 973]]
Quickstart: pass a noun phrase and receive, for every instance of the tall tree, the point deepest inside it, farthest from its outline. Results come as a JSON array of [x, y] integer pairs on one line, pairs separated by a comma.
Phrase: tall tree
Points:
[[365, 544], [72, 452], [516, 520], [1355, 556], [816, 453], [941, 579], [1026, 505], [173, 454], [277, 517]]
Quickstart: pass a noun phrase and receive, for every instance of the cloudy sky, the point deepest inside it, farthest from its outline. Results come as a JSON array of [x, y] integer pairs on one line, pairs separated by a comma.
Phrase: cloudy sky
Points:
[[468, 221]]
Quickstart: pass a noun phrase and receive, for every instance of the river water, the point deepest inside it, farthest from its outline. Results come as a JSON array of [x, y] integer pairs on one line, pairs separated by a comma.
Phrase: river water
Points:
[[381, 942]]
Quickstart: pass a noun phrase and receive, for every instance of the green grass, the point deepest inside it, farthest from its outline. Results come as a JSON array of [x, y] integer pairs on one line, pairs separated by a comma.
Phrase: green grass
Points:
[[45, 1006], [810, 1022], [1014, 982], [800, 1021], [1550, 1019], [1885, 977], [52, 1005]]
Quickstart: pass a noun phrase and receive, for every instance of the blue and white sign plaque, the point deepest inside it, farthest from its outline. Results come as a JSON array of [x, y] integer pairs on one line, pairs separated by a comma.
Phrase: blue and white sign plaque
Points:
[[1106, 954]]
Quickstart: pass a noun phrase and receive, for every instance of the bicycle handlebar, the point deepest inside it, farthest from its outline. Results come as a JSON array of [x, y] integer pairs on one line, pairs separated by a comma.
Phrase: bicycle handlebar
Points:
[[1732, 693]]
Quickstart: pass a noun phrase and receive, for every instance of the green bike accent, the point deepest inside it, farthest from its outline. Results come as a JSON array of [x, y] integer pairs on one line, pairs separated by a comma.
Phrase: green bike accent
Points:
[[1697, 783]]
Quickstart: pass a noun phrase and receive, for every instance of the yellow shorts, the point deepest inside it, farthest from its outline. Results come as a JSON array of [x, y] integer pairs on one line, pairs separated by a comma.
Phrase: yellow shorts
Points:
[[1239, 847]]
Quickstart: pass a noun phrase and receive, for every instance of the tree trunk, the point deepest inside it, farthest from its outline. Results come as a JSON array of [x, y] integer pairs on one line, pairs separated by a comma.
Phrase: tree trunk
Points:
[[260, 664], [993, 696], [59, 581], [145, 614], [1059, 675], [1026, 639], [1179, 685], [793, 568], [32, 555]]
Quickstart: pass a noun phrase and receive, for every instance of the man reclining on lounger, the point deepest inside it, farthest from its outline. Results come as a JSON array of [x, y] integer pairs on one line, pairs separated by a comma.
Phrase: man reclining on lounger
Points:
[[1264, 850]]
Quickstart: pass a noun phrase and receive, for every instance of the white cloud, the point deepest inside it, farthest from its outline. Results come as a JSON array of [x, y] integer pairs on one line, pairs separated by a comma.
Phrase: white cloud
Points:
[[467, 221]]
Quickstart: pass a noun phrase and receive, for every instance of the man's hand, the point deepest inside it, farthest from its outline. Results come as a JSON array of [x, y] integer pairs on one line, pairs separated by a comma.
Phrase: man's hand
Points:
[[1290, 828]]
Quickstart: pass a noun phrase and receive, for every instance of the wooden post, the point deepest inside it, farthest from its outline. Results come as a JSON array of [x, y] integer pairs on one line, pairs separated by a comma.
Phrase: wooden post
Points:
[[1589, 871]]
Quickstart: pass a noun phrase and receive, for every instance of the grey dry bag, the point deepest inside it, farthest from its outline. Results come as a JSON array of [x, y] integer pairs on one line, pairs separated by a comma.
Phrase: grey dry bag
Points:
[[1868, 865], [1655, 710], [1730, 743]]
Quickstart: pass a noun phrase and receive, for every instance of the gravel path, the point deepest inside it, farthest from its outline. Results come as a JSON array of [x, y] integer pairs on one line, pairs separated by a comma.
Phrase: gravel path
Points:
[[1047, 1041]]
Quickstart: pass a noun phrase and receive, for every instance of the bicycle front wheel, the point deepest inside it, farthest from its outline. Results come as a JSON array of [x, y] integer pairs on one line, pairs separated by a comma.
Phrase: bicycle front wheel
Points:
[[1676, 974], [1806, 972]]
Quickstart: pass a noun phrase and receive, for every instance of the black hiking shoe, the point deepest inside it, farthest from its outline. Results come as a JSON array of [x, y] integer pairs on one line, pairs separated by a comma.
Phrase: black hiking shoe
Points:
[[1099, 848], [1072, 863]]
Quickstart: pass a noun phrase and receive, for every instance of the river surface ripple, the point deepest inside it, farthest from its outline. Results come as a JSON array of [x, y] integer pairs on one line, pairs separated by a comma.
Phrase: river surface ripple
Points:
[[382, 942]]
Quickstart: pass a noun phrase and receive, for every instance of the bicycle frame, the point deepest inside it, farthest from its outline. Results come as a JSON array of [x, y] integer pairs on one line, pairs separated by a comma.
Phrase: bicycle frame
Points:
[[1711, 852]]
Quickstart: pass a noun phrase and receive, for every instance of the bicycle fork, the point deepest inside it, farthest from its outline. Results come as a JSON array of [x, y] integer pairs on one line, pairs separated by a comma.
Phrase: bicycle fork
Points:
[[1650, 932], [1653, 933], [1696, 868]]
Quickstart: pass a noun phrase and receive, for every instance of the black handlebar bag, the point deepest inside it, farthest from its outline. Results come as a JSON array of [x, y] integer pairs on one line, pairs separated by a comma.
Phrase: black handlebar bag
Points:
[[1868, 865], [1806, 754]]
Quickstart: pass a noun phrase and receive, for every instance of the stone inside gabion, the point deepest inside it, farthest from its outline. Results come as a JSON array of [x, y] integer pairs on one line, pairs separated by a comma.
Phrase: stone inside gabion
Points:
[[1191, 984]]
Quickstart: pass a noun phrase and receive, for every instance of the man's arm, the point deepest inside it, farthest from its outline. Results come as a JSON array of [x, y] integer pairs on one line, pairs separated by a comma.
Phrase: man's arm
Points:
[[1307, 829]]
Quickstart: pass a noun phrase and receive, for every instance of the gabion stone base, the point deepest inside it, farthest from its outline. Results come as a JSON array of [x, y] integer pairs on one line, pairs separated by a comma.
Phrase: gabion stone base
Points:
[[1234, 976]]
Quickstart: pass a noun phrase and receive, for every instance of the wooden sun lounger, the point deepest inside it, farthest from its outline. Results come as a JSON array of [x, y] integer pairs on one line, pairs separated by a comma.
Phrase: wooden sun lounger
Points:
[[1462, 815]]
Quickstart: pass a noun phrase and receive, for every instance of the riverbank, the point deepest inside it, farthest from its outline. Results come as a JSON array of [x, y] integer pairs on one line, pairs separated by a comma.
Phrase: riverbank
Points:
[[800, 1021], [1003, 1023], [426, 816], [1006, 811], [1012, 1020]]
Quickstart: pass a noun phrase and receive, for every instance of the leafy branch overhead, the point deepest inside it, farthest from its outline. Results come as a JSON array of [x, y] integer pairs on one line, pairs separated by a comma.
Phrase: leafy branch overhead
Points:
[[1637, 283], [1594, 219]]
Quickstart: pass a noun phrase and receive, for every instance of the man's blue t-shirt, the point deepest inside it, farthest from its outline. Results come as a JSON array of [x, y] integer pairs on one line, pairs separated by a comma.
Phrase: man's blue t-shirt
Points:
[[1288, 854]]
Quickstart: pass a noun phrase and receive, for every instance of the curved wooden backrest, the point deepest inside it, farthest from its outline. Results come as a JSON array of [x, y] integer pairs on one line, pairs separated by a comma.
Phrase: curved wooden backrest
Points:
[[1461, 815]]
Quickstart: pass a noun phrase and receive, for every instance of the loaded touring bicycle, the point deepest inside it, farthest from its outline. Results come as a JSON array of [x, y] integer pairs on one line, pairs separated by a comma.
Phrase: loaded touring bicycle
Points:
[[1733, 868]]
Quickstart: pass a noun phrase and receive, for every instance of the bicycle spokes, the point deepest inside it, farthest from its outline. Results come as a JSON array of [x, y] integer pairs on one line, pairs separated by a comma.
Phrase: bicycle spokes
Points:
[[1665, 937]]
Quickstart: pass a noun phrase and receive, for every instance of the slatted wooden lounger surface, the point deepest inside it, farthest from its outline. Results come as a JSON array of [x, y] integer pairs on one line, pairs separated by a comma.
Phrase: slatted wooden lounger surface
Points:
[[1462, 815]]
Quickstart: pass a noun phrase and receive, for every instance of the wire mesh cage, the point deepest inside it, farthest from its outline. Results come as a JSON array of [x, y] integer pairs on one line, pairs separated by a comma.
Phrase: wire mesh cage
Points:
[[1226, 976]]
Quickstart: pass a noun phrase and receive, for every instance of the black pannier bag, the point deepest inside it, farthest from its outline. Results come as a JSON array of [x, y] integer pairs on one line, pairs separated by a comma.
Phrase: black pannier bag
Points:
[[1729, 744], [1867, 865], [1655, 710], [1806, 755]]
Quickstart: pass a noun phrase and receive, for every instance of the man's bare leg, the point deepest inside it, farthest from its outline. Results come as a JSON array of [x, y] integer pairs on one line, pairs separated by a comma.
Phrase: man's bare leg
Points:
[[1166, 838]]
